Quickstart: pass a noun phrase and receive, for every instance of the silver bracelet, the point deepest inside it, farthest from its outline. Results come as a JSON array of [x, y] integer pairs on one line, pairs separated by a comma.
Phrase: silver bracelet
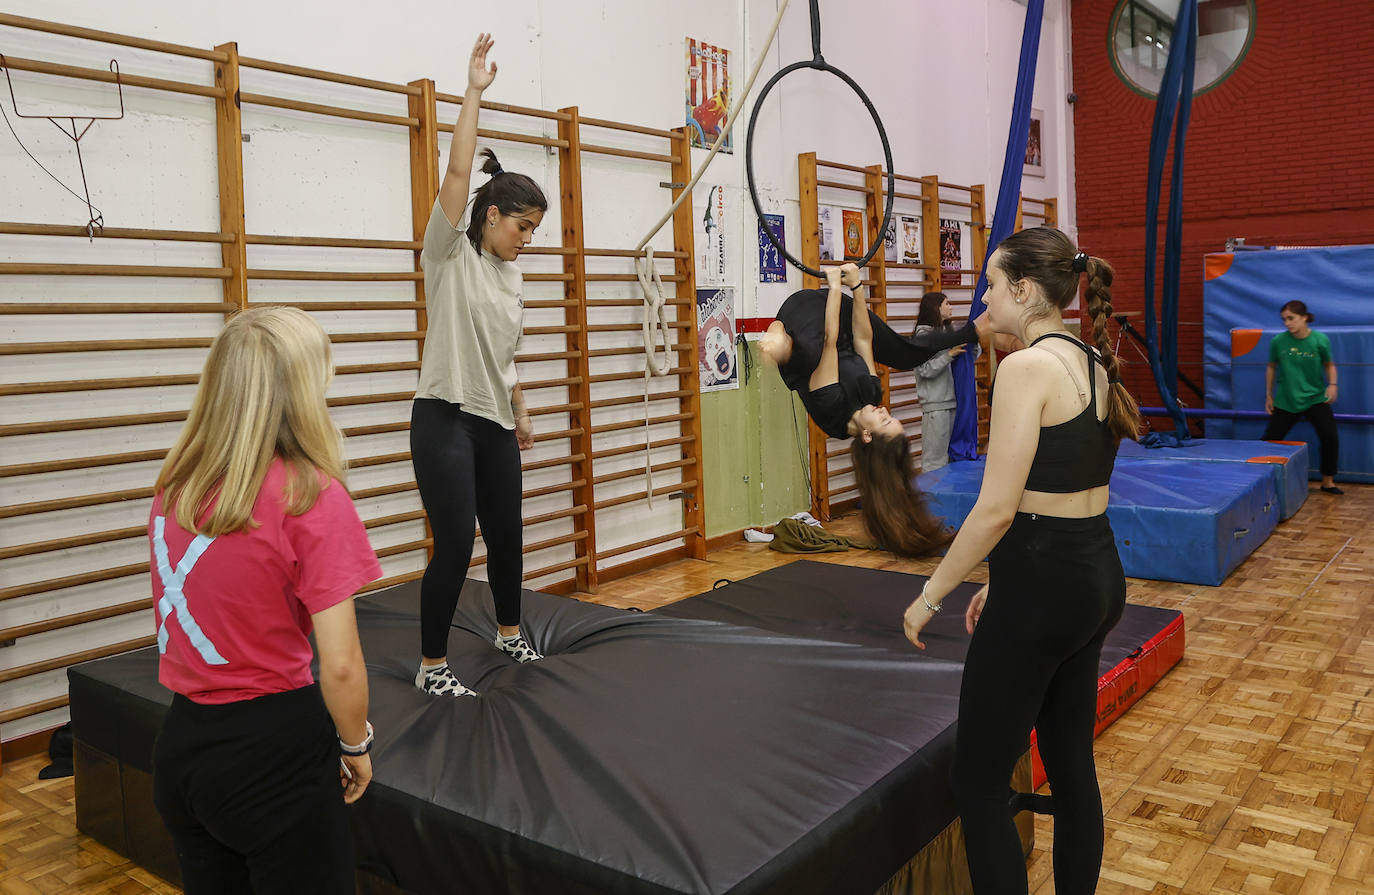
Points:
[[933, 609]]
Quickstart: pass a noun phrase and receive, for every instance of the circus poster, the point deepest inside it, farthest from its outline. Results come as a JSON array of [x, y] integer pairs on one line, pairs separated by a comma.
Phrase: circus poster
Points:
[[951, 258], [708, 93], [716, 339]]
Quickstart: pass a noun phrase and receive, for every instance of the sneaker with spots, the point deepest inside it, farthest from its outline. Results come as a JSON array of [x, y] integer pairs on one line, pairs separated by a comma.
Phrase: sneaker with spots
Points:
[[438, 680], [516, 647]]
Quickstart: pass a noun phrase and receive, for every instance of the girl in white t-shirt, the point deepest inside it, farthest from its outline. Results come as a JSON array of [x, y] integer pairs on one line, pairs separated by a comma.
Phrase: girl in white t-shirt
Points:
[[469, 421]]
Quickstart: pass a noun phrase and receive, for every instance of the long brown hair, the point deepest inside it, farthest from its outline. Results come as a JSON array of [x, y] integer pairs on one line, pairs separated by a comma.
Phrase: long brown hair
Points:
[[1046, 255], [261, 396], [929, 314], [894, 509]]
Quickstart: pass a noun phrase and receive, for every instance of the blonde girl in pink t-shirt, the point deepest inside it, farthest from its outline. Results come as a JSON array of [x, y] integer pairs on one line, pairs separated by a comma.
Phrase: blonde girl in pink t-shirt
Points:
[[254, 542]]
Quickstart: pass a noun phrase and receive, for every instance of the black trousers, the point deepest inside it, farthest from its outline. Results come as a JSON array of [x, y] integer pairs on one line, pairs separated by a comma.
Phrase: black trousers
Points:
[[468, 471], [1056, 588], [1322, 418], [250, 792]]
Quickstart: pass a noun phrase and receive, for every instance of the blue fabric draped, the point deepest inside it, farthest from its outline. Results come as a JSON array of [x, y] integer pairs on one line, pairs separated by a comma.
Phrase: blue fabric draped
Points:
[[1175, 102], [963, 442]]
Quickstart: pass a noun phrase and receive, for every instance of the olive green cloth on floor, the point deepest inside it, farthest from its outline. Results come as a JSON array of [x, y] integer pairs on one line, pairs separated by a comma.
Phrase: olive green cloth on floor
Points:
[[795, 536]]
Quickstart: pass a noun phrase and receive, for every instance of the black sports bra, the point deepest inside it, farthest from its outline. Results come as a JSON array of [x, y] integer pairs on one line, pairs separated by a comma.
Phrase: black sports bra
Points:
[[1078, 454]]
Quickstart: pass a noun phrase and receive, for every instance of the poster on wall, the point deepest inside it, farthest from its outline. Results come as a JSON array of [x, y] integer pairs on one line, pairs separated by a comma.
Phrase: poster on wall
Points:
[[708, 94], [853, 234], [711, 247], [825, 223], [716, 339], [909, 237], [1035, 145], [890, 241], [951, 259], [772, 266]]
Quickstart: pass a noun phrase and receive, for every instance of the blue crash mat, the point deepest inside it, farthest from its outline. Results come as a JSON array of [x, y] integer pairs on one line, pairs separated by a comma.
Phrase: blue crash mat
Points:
[[1174, 521], [1290, 476]]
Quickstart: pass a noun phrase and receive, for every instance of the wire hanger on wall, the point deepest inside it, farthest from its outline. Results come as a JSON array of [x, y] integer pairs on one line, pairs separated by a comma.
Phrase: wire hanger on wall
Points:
[[96, 221]]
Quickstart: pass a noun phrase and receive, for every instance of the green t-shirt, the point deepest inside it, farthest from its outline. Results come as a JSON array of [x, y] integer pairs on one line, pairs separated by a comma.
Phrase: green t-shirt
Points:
[[1301, 382]]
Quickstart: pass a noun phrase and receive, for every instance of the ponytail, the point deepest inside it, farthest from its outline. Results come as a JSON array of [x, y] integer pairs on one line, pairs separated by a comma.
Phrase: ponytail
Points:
[[511, 193], [1123, 415]]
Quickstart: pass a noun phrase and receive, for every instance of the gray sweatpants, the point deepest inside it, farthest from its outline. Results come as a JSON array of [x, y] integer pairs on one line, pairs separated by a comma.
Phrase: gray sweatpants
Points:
[[936, 426]]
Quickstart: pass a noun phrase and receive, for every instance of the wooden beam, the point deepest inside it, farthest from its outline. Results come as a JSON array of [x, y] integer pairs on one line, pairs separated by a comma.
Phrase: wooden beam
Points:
[[694, 503], [577, 342], [811, 257], [229, 146]]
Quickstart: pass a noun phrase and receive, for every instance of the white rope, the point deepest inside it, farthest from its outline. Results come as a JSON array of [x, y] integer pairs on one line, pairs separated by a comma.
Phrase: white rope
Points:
[[651, 285]]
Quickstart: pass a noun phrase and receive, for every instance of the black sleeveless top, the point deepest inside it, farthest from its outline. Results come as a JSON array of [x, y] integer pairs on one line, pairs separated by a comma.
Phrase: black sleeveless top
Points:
[[832, 406], [1078, 454]]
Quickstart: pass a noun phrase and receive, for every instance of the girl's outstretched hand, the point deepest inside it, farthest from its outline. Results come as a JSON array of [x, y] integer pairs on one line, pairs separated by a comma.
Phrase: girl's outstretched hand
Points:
[[480, 75]]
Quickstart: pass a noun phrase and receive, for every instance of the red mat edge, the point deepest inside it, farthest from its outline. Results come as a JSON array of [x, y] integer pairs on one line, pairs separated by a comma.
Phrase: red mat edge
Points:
[[1122, 687]]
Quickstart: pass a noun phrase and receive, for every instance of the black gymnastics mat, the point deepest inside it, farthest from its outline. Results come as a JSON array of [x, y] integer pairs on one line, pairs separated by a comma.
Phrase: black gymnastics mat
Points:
[[800, 747]]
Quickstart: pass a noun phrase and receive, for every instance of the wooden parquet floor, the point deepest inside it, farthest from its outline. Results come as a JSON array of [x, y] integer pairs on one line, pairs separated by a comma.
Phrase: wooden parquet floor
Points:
[[1248, 769]]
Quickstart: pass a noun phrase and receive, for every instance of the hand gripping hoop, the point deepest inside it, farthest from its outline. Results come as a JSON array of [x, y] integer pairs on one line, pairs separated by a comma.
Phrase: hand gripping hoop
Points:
[[818, 63]]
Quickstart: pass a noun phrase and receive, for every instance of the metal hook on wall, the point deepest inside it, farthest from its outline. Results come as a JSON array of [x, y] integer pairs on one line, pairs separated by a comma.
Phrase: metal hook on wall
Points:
[[96, 221]]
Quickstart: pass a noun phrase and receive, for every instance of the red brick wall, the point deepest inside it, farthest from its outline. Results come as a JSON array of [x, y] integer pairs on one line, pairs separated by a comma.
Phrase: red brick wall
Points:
[[1281, 153]]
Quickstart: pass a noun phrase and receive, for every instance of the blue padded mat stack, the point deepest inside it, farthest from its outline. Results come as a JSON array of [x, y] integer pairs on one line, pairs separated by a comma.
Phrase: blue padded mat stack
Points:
[[1174, 521], [1290, 476]]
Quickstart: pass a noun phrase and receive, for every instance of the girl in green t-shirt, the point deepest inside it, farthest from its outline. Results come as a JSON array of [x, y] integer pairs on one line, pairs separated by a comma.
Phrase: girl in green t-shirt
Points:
[[1300, 357]]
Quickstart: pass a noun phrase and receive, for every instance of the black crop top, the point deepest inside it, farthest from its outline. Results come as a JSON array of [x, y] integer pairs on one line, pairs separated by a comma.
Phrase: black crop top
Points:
[[1078, 454]]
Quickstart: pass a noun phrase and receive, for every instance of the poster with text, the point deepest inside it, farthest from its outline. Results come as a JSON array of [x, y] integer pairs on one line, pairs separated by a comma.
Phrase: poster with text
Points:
[[853, 234], [825, 223], [772, 265], [712, 250], [890, 241], [708, 93], [716, 339], [909, 236], [951, 259]]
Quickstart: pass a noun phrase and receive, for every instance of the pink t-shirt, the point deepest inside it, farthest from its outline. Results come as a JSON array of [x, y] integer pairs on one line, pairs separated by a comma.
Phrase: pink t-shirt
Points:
[[233, 611]]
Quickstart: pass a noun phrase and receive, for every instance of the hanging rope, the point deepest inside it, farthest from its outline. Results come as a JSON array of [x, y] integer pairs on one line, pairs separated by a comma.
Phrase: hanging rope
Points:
[[651, 284]]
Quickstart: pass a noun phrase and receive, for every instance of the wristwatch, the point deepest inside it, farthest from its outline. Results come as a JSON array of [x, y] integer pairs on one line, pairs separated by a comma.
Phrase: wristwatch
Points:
[[362, 748]]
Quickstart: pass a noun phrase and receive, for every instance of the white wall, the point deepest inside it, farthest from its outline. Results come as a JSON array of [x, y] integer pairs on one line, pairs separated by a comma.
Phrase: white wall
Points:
[[940, 74]]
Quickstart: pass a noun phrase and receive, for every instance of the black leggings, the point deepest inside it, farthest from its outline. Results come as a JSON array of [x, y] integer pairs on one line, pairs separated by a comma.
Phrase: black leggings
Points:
[[1322, 418], [250, 792], [1056, 588], [468, 470]]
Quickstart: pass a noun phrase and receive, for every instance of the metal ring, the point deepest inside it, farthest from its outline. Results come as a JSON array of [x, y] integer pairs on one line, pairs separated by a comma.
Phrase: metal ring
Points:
[[820, 65]]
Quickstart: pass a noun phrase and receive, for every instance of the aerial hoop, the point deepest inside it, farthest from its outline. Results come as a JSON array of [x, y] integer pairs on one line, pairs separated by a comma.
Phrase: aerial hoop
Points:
[[818, 63]]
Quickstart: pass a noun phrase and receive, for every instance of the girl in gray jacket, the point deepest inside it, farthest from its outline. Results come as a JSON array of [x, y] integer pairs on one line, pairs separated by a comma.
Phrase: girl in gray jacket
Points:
[[935, 383]]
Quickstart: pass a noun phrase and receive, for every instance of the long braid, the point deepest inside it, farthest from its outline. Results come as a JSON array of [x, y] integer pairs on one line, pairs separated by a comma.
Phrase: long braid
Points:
[[1123, 415]]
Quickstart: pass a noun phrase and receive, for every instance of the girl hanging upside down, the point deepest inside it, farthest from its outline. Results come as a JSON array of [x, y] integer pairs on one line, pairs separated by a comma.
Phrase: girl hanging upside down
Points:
[[826, 345]]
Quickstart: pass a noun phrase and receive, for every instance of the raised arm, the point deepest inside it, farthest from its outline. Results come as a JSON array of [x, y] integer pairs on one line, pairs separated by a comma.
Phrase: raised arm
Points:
[[852, 277], [453, 190], [828, 367]]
